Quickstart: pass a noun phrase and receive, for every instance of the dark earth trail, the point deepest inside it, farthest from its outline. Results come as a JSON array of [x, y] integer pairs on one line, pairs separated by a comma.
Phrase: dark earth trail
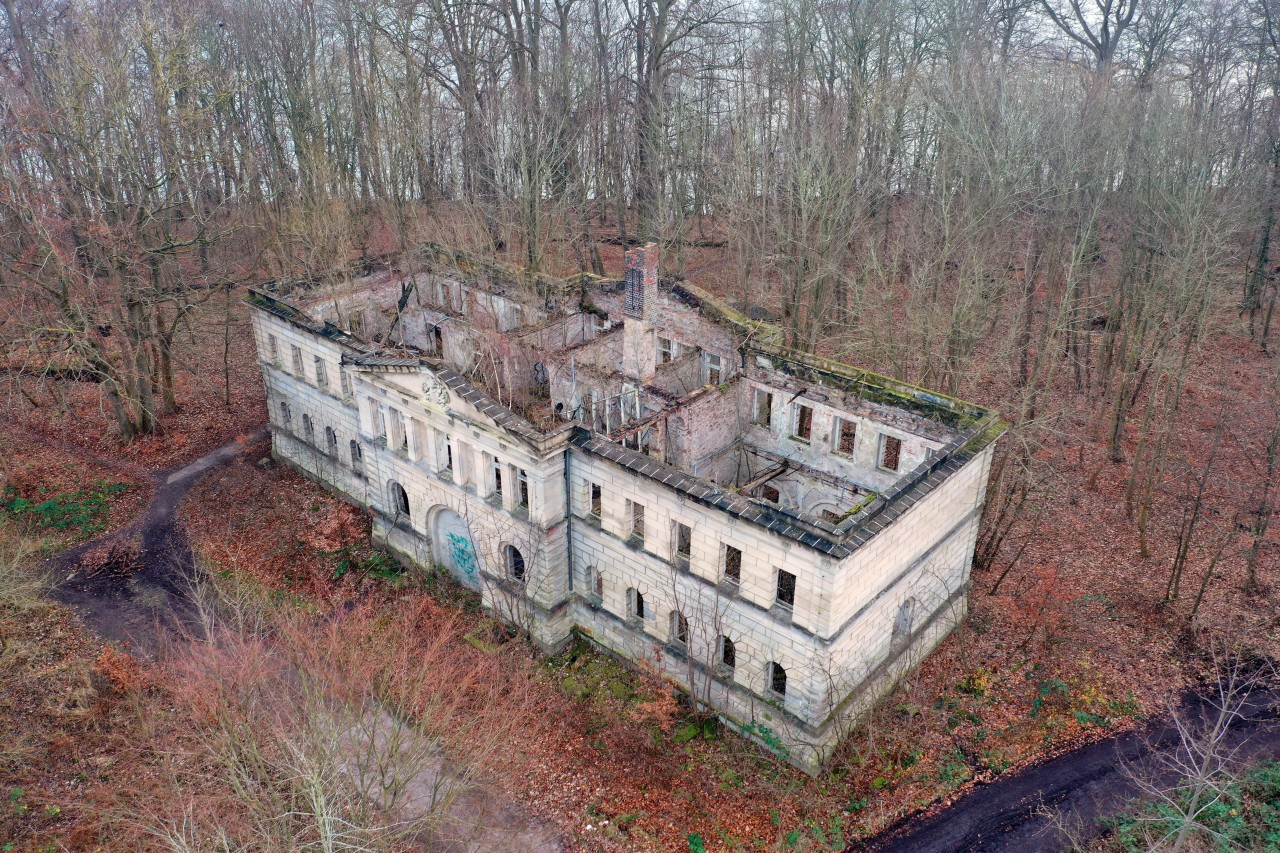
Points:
[[139, 586], [1015, 813]]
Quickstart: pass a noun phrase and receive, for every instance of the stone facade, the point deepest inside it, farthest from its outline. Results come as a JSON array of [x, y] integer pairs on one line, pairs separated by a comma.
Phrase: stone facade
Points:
[[779, 535]]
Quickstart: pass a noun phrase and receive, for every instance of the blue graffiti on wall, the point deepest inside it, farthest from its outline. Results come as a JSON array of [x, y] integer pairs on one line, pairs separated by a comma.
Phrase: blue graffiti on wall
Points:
[[461, 554]]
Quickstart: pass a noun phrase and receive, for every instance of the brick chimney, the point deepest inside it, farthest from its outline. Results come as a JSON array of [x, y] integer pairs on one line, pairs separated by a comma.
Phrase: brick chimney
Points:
[[642, 282], [640, 307]]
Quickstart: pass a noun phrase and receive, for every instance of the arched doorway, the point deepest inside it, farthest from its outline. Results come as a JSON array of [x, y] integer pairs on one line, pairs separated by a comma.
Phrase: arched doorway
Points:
[[454, 548]]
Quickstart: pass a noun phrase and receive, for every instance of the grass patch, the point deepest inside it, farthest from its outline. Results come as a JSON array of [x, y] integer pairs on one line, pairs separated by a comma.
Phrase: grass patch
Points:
[[83, 511]]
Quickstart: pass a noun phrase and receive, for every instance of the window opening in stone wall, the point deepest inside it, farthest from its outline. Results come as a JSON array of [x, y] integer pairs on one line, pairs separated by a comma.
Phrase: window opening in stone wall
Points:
[[297, 362], [322, 373], [273, 347], [399, 499], [515, 563], [890, 452], [636, 512], [715, 369], [522, 489], [728, 653], [903, 625], [357, 455], [786, 588], [666, 351], [308, 429], [331, 441], [804, 422], [777, 679], [437, 341], [770, 493], [345, 379], [732, 564], [635, 604], [398, 432], [597, 583], [846, 435], [683, 542], [597, 500], [679, 628], [762, 408], [286, 417], [497, 477], [448, 456]]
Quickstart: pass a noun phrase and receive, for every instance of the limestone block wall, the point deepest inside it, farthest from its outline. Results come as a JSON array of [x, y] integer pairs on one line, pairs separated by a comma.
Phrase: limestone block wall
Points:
[[761, 630], [821, 450], [875, 567]]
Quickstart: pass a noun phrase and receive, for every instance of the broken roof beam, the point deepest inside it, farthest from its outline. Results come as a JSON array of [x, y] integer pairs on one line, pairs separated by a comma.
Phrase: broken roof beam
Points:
[[748, 488]]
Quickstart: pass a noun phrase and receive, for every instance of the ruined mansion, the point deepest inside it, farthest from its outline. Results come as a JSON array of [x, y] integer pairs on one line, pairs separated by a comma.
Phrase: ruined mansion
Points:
[[647, 465]]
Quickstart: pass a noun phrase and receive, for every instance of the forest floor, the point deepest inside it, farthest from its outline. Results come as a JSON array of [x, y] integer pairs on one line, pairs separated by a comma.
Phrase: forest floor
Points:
[[1076, 645]]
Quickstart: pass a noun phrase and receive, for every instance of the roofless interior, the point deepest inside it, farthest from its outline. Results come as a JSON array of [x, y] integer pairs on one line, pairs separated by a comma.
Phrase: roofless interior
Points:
[[656, 366]]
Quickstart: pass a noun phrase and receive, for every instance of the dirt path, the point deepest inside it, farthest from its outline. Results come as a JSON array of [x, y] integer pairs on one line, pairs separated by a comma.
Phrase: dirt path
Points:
[[1012, 814], [134, 586]]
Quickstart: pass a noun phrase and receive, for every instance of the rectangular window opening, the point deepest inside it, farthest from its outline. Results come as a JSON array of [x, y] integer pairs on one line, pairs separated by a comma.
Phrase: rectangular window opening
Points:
[[522, 496], [804, 422], [273, 347], [322, 373], [786, 588], [666, 351], [679, 628], [890, 452], [597, 500], [497, 477], [846, 435], [715, 369], [762, 409], [732, 564], [297, 362], [637, 520], [683, 541]]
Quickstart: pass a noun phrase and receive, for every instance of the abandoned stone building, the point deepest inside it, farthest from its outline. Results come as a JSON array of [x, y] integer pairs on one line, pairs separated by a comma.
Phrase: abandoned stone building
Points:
[[648, 465]]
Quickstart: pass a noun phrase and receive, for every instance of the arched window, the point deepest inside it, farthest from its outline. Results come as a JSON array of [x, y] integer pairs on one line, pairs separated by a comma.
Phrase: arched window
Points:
[[308, 429], [903, 625], [728, 653], [777, 679], [635, 603], [679, 628], [286, 417], [399, 499], [515, 562], [357, 455], [331, 441]]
